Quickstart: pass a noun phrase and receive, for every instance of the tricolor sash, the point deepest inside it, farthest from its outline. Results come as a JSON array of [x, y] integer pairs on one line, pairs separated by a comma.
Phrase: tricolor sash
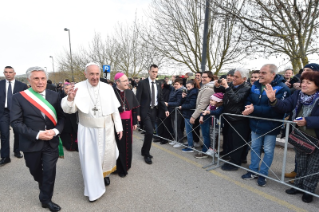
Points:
[[45, 107]]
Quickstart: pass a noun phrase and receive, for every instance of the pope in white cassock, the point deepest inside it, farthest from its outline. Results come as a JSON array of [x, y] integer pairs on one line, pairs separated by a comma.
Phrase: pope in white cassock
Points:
[[97, 106]]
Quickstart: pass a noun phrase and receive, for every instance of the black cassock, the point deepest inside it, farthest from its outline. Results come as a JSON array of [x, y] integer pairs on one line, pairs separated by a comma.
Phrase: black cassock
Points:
[[129, 118]]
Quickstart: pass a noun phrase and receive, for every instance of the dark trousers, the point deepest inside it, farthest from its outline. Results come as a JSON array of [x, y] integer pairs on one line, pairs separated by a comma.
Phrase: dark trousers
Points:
[[179, 121], [5, 136], [196, 131], [42, 166], [149, 124], [236, 142]]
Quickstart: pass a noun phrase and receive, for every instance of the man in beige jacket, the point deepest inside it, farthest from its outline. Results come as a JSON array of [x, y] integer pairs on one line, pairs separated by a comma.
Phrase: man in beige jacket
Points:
[[202, 102]]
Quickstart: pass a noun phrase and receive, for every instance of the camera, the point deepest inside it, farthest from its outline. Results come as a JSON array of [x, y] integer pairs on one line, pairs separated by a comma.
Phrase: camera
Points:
[[219, 81]]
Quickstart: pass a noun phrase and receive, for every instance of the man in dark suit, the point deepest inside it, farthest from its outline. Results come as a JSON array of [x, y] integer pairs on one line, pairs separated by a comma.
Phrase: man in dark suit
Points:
[[50, 86], [37, 116], [8, 87], [149, 95]]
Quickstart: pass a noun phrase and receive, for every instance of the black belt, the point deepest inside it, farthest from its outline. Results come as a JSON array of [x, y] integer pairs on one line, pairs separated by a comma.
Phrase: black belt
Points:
[[155, 107]]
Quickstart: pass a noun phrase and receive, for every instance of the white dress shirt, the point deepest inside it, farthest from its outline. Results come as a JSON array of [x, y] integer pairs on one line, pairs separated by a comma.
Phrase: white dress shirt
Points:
[[155, 89], [54, 129], [7, 86]]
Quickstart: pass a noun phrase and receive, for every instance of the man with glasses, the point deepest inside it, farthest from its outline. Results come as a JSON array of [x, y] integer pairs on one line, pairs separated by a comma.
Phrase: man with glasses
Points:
[[198, 77], [263, 133], [128, 113], [8, 87], [149, 95]]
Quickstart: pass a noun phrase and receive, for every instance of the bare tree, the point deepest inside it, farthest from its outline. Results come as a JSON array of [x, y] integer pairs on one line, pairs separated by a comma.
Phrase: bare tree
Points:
[[176, 31], [278, 27]]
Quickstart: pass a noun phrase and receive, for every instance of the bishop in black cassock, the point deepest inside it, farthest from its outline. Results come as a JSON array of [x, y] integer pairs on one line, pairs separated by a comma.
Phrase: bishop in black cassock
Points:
[[128, 112]]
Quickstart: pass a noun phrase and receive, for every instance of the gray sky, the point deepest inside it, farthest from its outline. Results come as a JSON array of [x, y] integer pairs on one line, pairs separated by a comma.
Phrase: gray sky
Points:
[[32, 30]]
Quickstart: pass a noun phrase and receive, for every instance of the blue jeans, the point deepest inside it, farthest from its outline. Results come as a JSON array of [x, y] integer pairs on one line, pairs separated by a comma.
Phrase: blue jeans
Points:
[[269, 142], [189, 129], [206, 133]]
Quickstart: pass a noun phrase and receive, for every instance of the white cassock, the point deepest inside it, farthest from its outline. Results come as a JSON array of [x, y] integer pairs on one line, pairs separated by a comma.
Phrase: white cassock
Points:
[[96, 138]]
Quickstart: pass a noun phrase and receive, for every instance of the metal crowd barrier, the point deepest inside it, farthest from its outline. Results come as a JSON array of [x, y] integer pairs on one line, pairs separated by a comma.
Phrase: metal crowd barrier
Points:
[[280, 180]]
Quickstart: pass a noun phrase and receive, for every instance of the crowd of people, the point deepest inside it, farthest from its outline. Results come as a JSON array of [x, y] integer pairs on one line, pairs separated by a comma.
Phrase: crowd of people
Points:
[[97, 120]]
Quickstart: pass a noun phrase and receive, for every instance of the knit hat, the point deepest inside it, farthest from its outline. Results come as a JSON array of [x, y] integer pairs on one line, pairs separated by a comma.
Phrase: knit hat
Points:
[[218, 97], [118, 76], [313, 66]]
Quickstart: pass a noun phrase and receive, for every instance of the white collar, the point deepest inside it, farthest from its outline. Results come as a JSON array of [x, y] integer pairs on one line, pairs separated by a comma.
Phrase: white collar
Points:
[[149, 79], [12, 81], [119, 89]]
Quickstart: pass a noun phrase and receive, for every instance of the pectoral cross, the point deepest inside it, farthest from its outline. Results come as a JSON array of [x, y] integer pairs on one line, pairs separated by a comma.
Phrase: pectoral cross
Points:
[[95, 109]]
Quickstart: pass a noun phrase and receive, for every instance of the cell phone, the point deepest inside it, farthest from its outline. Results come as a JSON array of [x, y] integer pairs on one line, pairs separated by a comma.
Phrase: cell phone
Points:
[[184, 90], [299, 118]]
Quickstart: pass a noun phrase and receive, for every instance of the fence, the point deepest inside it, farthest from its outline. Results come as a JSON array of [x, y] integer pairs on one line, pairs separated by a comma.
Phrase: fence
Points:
[[216, 164]]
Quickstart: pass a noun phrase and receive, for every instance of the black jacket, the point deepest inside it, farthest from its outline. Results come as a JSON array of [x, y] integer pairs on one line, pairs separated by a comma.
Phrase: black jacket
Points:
[[189, 103], [27, 120], [235, 100]]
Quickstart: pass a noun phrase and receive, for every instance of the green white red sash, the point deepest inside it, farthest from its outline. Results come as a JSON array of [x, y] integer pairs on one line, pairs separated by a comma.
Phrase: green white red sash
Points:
[[41, 103]]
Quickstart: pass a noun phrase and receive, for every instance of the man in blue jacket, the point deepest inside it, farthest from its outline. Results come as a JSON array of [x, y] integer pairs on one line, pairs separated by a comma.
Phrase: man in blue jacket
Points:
[[263, 133]]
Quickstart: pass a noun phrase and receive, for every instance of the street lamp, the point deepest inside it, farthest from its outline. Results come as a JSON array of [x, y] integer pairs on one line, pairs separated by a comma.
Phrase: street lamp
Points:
[[66, 29], [53, 68]]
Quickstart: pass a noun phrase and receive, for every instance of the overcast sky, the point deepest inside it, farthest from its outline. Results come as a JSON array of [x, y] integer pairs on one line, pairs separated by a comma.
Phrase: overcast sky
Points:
[[33, 30]]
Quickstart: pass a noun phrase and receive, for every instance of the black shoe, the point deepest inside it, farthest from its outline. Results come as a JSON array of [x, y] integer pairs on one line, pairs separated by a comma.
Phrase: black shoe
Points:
[[52, 206], [143, 132], [228, 167], [307, 198], [4, 161], [164, 142], [148, 160], [107, 181], [157, 140], [293, 191], [122, 175], [148, 156], [140, 130], [18, 155]]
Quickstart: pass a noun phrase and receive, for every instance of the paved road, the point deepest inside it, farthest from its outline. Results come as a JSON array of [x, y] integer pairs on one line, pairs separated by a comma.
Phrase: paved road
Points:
[[175, 181]]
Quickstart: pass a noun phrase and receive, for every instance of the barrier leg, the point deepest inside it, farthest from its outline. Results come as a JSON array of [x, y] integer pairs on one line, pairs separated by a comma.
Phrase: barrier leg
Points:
[[285, 153]]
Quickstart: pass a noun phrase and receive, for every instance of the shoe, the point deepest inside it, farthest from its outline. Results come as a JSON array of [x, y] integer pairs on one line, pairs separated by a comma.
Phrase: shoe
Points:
[[18, 155], [4, 161], [156, 140], [200, 156], [143, 132], [172, 143], [293, 191], [52, 206], [210, 152], [188, 149], [197, 145], [164, 142], [107, 181], [228, 167], [148, 160], [122, 175], [307, 198], [148, 156], [249, 176], [291, 174], [177, 145], [292, 182], [261, 181], [140, 130]]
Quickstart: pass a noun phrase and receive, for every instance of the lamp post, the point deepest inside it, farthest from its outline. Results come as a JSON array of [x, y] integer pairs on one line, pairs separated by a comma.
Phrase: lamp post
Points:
[[66, 29], [204, 53], [53, 68]]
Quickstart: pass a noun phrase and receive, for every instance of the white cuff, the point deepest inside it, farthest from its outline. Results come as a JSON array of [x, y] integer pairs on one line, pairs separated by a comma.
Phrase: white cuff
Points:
[[56, 131], [38, 134]]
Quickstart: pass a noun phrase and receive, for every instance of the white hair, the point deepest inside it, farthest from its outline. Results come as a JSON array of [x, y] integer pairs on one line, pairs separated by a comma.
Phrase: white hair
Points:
[[35, 68], [243, 72], [91, 64], [272, 67]]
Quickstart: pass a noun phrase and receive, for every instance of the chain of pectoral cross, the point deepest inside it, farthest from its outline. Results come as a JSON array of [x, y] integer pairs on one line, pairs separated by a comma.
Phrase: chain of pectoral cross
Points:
[[94, 109]]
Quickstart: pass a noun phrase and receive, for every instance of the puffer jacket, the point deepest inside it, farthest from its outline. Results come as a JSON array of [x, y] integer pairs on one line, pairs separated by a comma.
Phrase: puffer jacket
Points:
[[203, 98], [234, 100], [263, 109], [189, 103], [175, 98]]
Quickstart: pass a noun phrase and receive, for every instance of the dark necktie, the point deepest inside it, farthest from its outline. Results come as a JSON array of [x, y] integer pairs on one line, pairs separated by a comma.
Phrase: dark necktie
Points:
[[153, 95], [9, 96]]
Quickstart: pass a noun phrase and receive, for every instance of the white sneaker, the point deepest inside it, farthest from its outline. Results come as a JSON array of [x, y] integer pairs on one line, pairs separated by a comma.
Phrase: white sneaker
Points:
[[177, 145], [210, 152], [196, 144], [172, 143]]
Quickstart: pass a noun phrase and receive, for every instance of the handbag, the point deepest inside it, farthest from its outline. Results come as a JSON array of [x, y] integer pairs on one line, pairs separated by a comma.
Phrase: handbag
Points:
[[303, 142]]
